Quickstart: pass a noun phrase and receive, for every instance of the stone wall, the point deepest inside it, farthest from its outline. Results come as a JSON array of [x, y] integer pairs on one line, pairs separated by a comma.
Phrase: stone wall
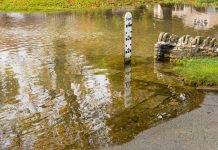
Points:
[[171, 47]]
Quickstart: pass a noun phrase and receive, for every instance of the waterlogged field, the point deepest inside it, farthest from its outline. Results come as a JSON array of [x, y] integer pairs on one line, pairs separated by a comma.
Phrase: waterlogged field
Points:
[[62, 77]]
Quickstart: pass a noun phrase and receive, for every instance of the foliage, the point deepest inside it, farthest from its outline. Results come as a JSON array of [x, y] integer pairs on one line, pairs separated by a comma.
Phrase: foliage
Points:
[[201, 71]]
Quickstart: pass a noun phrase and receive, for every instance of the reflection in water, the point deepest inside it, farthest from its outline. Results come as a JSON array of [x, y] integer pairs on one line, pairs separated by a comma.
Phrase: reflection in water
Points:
[[92, 96], [42, 103], [163, 11], [61, 79], [164, 73], [191, 16], [127, 85], [198, 19]]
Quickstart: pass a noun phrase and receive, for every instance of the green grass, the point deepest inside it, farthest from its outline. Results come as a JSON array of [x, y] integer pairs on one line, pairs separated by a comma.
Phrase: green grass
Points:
[[61, 5], [48, 5], [201, 71]]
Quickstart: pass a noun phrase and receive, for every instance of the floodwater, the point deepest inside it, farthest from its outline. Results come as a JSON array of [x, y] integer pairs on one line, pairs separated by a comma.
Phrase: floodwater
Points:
[[63, 83]]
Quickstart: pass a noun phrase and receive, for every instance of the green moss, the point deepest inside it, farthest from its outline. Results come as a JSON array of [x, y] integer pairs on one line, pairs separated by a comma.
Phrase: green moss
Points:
[[201, 71]]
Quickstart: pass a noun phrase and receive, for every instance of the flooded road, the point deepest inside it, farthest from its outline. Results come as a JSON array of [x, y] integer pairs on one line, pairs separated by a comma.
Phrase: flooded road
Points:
[[63, 84]]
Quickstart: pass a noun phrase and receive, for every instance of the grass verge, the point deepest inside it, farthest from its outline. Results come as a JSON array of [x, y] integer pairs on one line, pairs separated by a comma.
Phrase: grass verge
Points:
[[201, 71]]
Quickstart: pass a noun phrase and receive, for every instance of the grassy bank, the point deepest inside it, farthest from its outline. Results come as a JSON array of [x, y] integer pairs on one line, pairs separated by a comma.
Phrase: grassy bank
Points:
[[55, 5], [202, 71]]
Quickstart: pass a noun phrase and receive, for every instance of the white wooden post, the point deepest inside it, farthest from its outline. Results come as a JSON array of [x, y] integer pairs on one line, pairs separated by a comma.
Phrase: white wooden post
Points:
[[128, 37]]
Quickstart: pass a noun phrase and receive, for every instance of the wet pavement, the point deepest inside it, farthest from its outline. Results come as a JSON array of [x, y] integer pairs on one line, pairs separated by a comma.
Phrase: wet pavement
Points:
[[196, 130]]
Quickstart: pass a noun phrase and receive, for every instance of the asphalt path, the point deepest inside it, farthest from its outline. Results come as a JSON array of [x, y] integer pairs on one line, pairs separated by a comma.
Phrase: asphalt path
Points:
[[195, 130]]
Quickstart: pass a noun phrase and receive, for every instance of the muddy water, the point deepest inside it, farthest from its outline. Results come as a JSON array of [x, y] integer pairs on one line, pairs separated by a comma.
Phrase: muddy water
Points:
[[63, 84]]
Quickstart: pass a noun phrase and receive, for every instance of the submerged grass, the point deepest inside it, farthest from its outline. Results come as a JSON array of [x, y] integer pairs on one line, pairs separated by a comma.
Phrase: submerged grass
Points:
[[201, 71], [53, 5]]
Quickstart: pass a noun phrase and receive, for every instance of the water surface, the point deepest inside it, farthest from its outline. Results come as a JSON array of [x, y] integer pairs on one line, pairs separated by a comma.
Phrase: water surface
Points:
[[63, 84]]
